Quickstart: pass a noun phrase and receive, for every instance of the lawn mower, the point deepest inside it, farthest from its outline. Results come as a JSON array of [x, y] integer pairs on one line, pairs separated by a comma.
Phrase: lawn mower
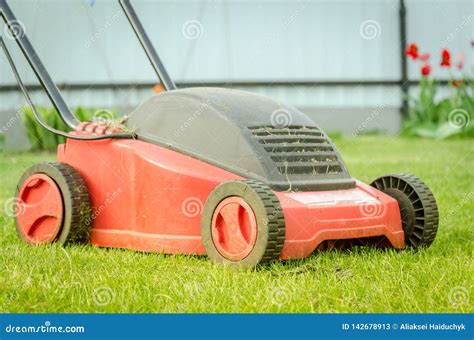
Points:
[[229, 174]]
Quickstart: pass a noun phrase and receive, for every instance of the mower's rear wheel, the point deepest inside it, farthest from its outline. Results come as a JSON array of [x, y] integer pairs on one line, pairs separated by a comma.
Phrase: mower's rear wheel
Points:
[[418, 208], [52, 205], [243, 224]]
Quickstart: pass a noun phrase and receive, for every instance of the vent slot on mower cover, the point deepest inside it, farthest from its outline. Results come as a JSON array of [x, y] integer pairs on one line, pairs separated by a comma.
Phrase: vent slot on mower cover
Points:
[[299, 150], [233, 130]]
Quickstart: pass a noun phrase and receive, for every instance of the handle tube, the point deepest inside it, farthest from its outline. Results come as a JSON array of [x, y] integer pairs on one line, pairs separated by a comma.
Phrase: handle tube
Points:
[[145, 41], [18, 34]]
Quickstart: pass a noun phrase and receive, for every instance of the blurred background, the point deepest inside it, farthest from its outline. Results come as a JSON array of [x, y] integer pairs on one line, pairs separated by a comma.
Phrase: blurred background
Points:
[[343, 62]]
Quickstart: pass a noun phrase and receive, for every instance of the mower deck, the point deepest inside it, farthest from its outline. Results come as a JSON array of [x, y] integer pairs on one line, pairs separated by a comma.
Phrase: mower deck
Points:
[[151, 199]]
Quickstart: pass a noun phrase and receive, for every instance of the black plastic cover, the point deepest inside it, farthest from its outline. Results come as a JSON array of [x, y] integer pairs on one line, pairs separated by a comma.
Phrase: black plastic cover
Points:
[[248, 134]]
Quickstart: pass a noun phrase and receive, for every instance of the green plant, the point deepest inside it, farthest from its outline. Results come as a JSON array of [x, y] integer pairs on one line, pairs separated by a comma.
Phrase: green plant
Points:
[[41, 139], [433, 117]]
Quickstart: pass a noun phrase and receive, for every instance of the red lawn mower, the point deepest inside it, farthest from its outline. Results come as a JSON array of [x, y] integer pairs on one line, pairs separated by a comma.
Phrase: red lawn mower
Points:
[[208, 171]]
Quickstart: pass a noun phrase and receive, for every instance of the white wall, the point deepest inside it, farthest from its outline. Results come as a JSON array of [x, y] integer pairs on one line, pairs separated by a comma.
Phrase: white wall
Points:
[[240, 40]]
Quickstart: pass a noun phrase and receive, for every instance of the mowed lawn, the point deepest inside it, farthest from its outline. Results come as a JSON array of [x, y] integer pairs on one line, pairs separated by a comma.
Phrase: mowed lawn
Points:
[[90, 279]]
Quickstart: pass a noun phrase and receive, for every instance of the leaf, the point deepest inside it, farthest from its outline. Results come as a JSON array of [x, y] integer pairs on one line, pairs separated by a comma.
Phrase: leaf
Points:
[[446, 130], [48, 138], [30, 124]]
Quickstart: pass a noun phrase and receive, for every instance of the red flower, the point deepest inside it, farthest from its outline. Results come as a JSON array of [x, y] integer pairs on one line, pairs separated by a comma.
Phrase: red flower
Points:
[[445, 58], [412, 51], [426, 70]]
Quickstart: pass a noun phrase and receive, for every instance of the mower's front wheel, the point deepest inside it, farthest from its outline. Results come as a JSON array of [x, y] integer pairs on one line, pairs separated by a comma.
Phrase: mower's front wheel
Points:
[[418, 208], [52, 205], [243, 224]]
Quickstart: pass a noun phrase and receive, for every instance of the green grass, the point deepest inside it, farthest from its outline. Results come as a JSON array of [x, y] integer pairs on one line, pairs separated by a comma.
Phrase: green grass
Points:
[[90, 279]]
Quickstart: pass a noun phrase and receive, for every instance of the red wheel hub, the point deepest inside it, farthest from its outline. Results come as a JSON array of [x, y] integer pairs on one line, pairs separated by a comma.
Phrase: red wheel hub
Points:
[[39, 209], [234, 228]]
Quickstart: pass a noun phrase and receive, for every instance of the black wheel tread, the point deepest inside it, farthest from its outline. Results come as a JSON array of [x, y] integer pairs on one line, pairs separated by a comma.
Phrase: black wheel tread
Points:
[[81, 219], [270, 221], [79, 199], [276, 220], [423, 202]]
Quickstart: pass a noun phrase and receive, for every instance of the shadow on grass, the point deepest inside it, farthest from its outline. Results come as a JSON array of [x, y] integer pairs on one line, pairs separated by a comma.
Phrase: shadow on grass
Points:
[[313, 262]]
